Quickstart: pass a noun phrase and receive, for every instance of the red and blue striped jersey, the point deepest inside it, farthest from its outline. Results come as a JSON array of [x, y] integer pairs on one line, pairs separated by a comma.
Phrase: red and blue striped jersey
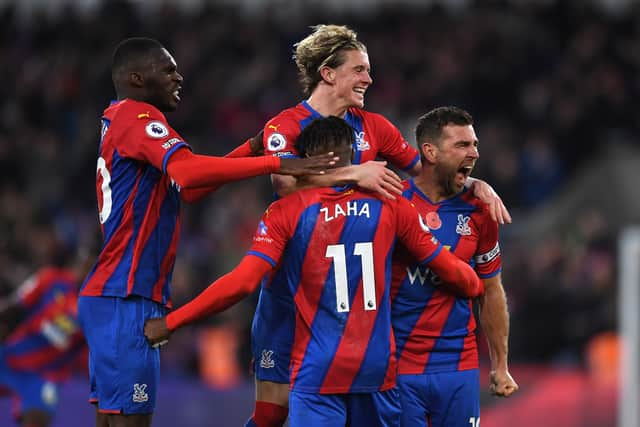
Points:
[[434, 329], [375, 136], [48, 341], [138, 203], [334, 247]]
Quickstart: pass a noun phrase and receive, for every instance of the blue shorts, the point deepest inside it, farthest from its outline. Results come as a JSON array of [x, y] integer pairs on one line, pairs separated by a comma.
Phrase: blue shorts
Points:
[[124, 370], [378, 409], [33, 392], [272, 334], [443, 399]]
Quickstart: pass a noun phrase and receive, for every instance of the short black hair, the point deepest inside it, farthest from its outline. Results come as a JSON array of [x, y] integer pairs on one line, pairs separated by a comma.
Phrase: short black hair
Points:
[[132, 51], [325, 134], [430, 125]]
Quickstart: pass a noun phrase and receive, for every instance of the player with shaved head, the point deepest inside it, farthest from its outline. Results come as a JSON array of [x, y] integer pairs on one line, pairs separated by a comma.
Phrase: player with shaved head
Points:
[[144, 169]]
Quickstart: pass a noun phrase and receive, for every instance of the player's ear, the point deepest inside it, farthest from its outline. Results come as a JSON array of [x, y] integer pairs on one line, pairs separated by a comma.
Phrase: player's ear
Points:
[[429, 151], [136, 79], [328, 74]]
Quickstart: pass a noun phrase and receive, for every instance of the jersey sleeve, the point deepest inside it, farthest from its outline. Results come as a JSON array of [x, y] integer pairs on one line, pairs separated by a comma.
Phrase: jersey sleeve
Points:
[[488, 259], [414, 234], [272, 234], [280, 135], [393, 146], [145, 135]]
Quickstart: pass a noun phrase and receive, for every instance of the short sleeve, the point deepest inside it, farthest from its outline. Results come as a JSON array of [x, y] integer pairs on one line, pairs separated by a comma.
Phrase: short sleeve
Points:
[[488, 259], [144, 134], [280, 135], [413, 232], [272, 234], [393, 146]]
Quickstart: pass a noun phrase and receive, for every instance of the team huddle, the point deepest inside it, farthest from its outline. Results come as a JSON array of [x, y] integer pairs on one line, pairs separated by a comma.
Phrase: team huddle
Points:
[[367, 283]]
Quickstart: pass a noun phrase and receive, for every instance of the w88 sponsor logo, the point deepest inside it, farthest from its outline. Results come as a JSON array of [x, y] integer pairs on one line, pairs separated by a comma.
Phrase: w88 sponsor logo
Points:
[[423, 275]]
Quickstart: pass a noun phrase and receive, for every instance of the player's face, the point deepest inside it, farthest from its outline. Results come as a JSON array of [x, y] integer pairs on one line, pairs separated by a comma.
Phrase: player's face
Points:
[[457, 155], [163, 82], [352, 78]]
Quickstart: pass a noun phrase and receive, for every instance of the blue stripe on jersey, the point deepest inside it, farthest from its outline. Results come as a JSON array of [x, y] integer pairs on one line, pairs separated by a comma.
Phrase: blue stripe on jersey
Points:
[[356, 124], [123, 179], [328, 324], [58, 288], [354, 121], [381, 332], [314, 115], [296, 250], [29, 344], [448, 349], [116, 284], [262, 256], [158, 244], [407, 311]]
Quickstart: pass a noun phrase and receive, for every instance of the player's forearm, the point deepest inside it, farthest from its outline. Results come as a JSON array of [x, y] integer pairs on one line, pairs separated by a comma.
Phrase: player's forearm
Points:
[[221, 294], [494, 320], [197, 171], [191, 195], [457, 276]]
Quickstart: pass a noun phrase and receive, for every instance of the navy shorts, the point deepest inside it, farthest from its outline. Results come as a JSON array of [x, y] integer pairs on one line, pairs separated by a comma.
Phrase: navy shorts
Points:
[[377, 409], [443, 399], [272, 334], [124, 370]]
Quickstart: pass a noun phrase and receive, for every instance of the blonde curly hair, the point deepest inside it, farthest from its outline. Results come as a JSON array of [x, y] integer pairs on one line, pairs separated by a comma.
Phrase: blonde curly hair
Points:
[[323, 47]]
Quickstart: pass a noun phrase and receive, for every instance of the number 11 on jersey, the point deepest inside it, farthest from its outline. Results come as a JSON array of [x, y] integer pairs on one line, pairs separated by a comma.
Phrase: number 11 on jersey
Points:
[[338, 254]]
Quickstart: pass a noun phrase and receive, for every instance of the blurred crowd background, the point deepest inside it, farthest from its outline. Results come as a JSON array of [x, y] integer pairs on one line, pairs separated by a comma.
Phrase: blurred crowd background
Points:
[[554, 87]]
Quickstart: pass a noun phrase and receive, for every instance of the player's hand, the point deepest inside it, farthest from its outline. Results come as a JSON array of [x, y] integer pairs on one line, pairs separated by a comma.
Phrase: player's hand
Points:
[[156, 331], [256, 144], [502, 384], [314, 165], [375, 176], [488, 195]]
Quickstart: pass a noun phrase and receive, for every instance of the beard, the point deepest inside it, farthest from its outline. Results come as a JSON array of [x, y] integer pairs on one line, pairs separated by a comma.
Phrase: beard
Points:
[[446, 179]]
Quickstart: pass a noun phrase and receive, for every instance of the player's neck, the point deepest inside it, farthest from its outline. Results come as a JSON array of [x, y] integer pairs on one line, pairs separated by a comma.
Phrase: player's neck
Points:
[[431, 187], [326, 105]]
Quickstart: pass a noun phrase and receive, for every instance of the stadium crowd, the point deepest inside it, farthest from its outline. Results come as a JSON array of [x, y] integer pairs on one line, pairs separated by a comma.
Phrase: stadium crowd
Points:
[[549, 84]]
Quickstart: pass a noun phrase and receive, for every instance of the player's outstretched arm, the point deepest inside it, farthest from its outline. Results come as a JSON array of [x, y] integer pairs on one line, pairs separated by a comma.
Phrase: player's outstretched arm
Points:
[[220, 295], [494, 319], [190, 170], [251, 147], [483, 191]]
